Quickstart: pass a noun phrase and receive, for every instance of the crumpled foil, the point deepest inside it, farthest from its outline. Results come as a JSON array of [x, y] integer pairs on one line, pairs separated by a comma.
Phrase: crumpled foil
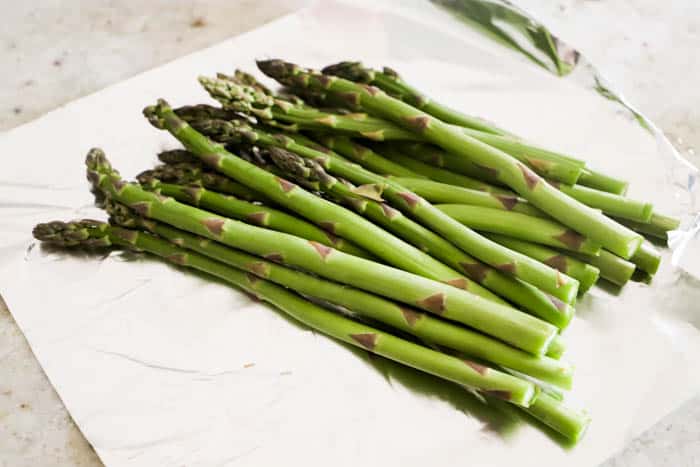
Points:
[[162, 367]]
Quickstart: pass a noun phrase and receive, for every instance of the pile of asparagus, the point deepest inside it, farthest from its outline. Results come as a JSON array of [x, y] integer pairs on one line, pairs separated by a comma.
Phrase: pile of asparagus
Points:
[[453, 246]]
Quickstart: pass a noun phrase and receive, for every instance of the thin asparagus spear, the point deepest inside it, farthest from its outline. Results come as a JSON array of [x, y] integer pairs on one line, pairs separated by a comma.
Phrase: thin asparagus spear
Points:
[[511, 172], [610, 204], [585, 268], [491, 381], [294, 117], [437, 157], [520, 226], [521, 266], [506, 323], [391, 83], [440, 175], [602, 182], [658, 226], [364, 156], [255, 214], [332, 217], [408, 320], [194, 173], [309, 173], [444, 193]]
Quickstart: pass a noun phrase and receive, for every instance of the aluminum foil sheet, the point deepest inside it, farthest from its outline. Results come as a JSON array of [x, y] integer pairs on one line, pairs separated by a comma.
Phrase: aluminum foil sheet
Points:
[[162, 367]]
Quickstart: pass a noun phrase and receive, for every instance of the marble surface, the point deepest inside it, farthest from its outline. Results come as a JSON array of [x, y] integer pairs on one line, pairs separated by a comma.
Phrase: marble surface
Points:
[[61, 50]]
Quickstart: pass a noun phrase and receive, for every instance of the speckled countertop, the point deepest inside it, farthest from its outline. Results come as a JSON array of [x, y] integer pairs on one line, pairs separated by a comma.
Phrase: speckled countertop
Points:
[[61, 50]]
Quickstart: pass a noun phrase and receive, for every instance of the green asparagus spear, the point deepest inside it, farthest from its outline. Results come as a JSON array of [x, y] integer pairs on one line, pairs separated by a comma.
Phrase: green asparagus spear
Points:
[[411, 321], [511, 172], [444, 193], [512, 326], [520, 226], [488, 380], [255, 214], [391, 83], [570, 423], [521, 266], [441, 175], [658, 226], [364, 156], [585, 268], [308, 172]]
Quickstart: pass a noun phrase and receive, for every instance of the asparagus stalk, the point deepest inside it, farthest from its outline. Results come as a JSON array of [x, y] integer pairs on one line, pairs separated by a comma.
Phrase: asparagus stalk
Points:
[[255, 214], [512, 326], [433, 155], [441, 175], [308, 172], [658, 226], [520, 226], [194, 173], [364, 156], [488, 380], [572, 424], [391, 83], [585, 268], [609, 203], [521, 266], [408, 320], [602, 182], [443, 193], [332, 217], [647, 258], [511, 172], [294, 117]]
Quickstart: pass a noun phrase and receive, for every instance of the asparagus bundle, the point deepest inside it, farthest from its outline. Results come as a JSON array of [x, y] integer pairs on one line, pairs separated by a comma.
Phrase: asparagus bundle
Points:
[[408, 215]]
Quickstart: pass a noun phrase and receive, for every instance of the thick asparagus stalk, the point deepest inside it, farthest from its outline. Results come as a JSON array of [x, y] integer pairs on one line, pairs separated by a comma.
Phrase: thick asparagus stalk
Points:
[[521, 266], [488, 380], [255, 214], [511, 172], [517, 328], [307, 171], [585, 268], [408, 320], [520, 226], [332, 217], [444, 193]]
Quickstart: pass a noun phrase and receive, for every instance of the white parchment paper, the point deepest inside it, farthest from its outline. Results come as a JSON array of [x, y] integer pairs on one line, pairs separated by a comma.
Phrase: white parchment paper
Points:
[[160, 367]]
